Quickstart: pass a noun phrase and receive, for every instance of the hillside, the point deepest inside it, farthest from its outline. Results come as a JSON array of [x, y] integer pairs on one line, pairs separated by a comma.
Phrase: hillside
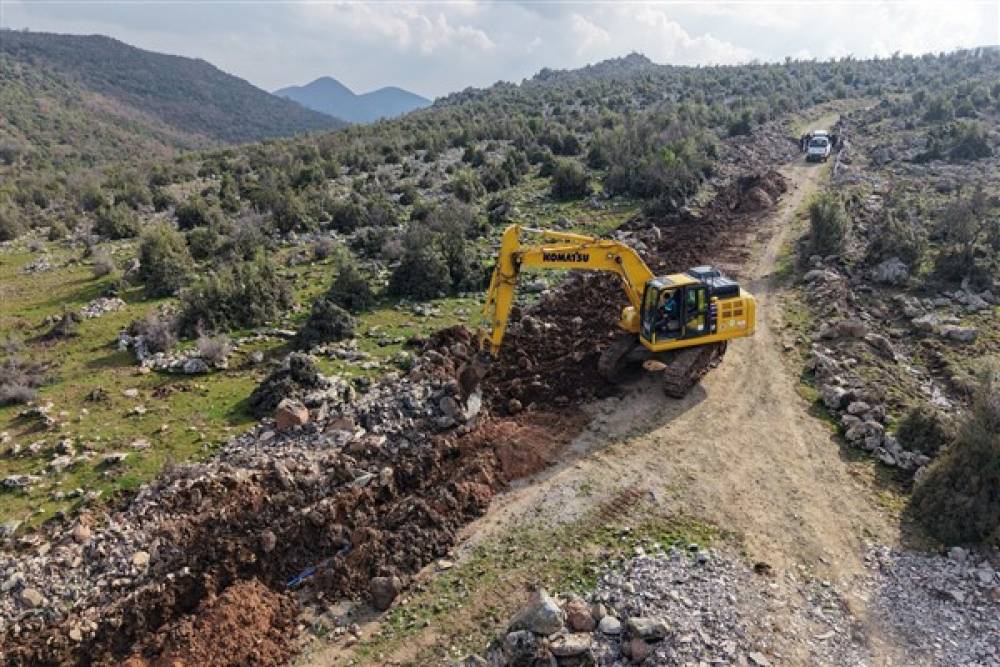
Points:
[[94, 97], [330, 96], [228, 382]]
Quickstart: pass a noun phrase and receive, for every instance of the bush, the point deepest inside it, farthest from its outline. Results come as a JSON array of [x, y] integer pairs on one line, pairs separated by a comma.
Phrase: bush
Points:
[[323, 248], [67, 324], [351, 290], [117, 222], [214, 349], [923, 429], [969, 141], [10, 223], [103, 264], [195, 212], [958, 500], [569, 180], [240, 294], [165, 264], [19, 380], [466, 187], [741, 126], [57, 231], [422, 272], [327, 323], [158, 330], [827, 224], [897, 236]]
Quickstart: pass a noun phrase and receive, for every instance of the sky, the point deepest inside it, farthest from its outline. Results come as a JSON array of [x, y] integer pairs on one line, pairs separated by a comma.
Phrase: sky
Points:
[[434, 48]]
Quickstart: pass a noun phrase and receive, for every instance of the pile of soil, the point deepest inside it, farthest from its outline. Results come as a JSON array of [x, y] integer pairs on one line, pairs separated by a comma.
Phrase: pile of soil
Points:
[[249, 624], [244, 538]]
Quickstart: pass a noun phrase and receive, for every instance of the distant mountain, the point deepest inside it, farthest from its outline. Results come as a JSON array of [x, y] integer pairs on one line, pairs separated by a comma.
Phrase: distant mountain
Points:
[[87, 95], [330, 96]]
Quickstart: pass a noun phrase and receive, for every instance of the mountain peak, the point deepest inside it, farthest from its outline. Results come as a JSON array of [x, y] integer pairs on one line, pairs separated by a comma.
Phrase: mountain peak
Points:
[[328, 95]]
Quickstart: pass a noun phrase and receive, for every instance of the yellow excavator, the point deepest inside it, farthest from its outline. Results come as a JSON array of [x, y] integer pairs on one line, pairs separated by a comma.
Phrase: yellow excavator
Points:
[[679, 324]]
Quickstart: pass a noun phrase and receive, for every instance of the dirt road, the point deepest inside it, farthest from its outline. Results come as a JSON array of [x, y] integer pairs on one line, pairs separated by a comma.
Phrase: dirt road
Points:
[[742, 452]]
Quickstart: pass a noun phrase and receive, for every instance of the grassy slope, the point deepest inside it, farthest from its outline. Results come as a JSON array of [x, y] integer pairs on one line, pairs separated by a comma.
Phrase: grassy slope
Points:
[[192, 415]]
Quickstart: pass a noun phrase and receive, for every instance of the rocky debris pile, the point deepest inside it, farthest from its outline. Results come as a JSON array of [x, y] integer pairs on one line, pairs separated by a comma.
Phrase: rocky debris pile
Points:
[[678, 607], [946, 609], [188, 362], [766, 146], [377, 487], [298, 379], [101, 306], [39, 265], [753, 192], [859, 412]]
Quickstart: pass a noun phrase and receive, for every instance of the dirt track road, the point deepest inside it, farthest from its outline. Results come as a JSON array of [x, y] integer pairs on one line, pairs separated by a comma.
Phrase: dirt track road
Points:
[[741, 452]]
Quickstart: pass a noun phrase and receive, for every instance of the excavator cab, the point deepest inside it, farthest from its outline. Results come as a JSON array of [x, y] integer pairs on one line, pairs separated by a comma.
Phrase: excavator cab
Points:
[[673, 308]]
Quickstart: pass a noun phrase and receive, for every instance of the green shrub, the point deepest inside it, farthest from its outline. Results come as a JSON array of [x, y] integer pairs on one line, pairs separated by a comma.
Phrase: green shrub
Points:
[[742, 125], [465, 185], [969, 141], [958, 500], [195, 212], [10, 223], [327, 323], [923, 429], [569, 180], [422, 272], [117, 222], [240, 294], [351, 290], [165, 264], [897, 236], [827, 225]]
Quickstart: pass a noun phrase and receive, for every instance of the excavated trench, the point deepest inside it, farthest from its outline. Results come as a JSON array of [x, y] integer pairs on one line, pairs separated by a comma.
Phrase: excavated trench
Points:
[[219, 593]]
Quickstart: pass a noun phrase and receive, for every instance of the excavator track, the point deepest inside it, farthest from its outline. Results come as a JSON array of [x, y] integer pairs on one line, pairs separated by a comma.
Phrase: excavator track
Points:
[[688, 366]]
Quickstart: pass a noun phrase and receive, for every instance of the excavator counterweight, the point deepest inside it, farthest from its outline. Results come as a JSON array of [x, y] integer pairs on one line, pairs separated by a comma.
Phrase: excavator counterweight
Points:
[[681, 321]]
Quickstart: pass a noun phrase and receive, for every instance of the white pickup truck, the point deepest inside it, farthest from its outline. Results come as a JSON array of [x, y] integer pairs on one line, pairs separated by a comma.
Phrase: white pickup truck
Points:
[[819, 146]]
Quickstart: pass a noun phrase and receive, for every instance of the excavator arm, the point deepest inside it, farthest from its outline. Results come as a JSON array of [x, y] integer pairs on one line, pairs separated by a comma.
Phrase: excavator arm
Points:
[[559, 250]]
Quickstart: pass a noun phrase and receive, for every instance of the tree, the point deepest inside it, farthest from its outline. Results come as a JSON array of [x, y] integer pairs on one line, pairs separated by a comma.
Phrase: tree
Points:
[[569, 180], [195, 212], [958, 500], [165, 264], [117, 222], [422, 272], [350, 289], [827, 224], [240, 294], [327, 323]]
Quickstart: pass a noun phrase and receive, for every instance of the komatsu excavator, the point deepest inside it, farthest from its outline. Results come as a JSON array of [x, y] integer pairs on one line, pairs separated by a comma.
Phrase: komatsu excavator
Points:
[[679, 324]]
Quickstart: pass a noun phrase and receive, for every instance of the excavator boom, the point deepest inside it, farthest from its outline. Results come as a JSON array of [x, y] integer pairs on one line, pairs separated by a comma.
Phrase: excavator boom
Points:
[[565, 251]]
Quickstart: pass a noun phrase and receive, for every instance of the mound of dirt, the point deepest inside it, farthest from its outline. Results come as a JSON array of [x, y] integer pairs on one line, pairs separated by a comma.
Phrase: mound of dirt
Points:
[[249, 624]]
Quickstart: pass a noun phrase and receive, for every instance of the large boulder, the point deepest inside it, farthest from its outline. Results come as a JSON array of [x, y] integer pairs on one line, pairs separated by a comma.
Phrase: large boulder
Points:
[[541, 615], [290, 413], [892, 272]]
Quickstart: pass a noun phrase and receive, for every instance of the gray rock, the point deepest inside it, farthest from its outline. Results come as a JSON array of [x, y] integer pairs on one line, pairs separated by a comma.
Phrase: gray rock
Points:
[[31, 598], [959, 333], [195, 365], [650, 629], [833, 397], [881, 345], [610, 625], [571, 645], [892, 272], [540, 615], [383, 591]]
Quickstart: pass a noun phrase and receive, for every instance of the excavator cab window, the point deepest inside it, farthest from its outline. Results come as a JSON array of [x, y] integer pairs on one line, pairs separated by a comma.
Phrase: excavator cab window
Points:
[[695, 311], [674, 312]]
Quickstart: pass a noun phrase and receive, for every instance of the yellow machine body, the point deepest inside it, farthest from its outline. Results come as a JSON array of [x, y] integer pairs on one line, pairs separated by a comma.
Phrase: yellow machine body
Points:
[[706, 311]]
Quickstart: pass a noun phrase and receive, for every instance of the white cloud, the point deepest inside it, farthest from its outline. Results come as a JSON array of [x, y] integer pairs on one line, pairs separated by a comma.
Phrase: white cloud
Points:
[[436, 47]]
